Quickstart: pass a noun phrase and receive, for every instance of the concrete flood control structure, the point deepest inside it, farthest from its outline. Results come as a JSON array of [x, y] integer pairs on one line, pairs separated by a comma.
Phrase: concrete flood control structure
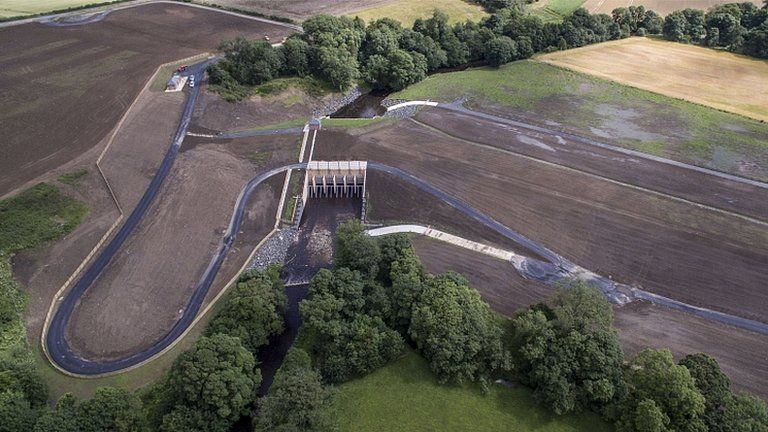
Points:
[[334, 179]]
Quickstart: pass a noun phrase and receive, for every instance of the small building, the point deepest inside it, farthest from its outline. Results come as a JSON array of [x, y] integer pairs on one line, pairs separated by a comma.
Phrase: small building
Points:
[[176, 83]]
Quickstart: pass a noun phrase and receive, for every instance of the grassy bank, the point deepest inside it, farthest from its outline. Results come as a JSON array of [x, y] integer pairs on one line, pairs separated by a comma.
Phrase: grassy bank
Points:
[[622, 115], [27, 220], [405, 396]]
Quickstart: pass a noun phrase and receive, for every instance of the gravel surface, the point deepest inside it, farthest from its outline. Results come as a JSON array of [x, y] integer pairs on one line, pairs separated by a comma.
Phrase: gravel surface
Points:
[[336, 103], [404, 112], [274, 250]]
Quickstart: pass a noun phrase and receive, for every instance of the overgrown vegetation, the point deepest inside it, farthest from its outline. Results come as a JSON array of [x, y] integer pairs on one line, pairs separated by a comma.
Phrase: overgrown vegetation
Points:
[[378, 298], [298, 400], [31, 218], [360, 317], [73, 177]]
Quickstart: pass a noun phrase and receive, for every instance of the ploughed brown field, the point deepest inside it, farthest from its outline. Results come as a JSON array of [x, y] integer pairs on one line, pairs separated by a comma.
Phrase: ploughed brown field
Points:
[[65, 88], [690, 237]]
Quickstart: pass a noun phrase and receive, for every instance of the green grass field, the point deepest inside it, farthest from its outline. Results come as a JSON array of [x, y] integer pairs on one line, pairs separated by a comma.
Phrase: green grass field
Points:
[[554, 10], [405, 396], [407, 11], [618, 114], [13, 8]]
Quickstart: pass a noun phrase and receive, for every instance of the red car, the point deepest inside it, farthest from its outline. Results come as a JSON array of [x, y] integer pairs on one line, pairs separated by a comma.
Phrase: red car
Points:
[[182, 68]]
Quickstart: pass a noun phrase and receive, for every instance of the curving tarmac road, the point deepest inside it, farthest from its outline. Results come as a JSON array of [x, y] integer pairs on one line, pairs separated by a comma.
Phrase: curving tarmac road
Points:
[[55, 344]]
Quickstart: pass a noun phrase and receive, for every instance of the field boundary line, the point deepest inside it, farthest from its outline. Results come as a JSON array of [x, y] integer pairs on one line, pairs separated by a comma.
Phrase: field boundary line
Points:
[[598, 177], [129, 111]]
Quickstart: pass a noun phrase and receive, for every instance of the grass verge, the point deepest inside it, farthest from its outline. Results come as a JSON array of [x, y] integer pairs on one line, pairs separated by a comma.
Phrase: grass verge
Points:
[[16, 9], [405, 396]]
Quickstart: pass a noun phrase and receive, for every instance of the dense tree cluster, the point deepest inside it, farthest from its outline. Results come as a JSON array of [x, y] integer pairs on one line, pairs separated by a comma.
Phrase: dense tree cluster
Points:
[[378, 297], [341, 50], [297, 400], [568, 351], [254, 311], [349, 336], [738, 27]]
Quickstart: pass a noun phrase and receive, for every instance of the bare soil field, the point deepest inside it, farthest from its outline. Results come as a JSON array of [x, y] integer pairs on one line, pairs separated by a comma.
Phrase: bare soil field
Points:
[[139, 146], [663, 7], [499, 284], [672, 248], [393, 201], [741, 354], [667, 179], [709, 77], [141, 292], [300, 9], [66, 87]]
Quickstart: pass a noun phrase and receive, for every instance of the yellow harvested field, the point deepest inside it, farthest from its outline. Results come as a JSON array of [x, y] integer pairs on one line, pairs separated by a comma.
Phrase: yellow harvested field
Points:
[[663, 7], [718, 79], [9, 8], [407, 11]]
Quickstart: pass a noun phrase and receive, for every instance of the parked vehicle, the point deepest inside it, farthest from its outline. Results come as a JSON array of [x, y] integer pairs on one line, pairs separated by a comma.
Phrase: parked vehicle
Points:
[[182, 68]]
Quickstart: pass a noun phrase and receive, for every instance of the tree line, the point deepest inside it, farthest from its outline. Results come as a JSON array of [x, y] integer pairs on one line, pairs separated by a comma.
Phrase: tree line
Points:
[[386, 55], [737, 27]]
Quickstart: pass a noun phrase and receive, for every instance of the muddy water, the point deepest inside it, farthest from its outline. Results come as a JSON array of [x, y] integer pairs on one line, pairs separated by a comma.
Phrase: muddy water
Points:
[[365, 106], [272, 355]]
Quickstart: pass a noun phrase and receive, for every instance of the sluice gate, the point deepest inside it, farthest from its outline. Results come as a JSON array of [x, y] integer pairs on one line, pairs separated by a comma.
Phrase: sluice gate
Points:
[[335, 179]]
